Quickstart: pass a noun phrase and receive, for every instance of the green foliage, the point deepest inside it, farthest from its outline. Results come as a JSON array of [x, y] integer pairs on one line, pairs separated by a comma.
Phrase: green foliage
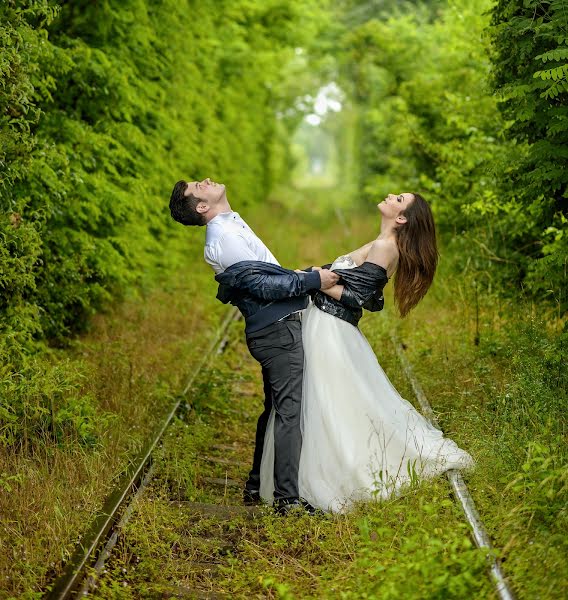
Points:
[[494, 167], [494, 369], [433, 566], [529, 56], [356, 12], [535, 398], [543, 485], [48, 408], [428, 121], [103, 106]]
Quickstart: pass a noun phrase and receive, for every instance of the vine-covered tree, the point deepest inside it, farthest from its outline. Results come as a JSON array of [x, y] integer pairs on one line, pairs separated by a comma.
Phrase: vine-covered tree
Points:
[[530, 71]]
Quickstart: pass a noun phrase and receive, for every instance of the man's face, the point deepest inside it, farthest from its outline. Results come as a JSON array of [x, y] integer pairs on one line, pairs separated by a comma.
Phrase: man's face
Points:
[[209, 192]]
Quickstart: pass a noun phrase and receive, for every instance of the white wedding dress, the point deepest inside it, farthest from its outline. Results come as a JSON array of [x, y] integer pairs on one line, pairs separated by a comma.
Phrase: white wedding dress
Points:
[[361, 439]]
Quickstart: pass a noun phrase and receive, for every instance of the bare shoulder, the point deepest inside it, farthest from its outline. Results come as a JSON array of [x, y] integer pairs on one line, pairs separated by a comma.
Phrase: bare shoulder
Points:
[[384, 253]]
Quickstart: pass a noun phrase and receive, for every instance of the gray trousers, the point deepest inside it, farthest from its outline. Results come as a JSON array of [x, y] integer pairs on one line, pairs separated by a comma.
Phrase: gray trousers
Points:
[[278, 348]]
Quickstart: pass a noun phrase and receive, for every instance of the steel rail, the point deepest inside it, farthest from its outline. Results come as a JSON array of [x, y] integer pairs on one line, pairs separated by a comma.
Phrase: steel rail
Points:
[[91, 580], [459, 487], [134, 480]]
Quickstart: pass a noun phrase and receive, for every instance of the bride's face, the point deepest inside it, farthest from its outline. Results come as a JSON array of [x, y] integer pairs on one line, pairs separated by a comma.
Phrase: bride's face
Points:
[[394, 204]]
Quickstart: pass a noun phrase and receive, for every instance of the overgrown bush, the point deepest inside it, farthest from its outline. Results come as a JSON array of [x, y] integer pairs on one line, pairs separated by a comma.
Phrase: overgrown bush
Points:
[[494, 166], [103, 106], [530, 72]]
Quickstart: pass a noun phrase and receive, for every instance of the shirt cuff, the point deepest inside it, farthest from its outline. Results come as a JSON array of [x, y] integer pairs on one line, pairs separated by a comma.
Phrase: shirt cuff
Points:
[[312, 280]]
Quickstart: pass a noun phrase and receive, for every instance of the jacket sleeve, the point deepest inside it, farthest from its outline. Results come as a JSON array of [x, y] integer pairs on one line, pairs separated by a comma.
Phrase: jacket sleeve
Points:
[[310, 269], [279, 286], [363, 286]]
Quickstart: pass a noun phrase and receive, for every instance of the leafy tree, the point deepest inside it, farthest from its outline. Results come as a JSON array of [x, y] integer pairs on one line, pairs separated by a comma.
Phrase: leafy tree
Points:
[[530, 72], [103, 106], [430, 121]]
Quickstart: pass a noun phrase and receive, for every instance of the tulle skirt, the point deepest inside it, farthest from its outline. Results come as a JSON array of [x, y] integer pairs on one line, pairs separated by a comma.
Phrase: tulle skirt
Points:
[[361, 439]]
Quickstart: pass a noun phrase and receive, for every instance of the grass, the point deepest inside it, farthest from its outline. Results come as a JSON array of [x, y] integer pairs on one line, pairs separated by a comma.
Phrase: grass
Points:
[[127, 369], [500, 391], [414, 547], [131, 364]]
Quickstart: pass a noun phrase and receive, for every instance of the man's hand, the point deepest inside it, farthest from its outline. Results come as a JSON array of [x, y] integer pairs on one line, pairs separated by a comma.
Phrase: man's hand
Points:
[[328, 278]]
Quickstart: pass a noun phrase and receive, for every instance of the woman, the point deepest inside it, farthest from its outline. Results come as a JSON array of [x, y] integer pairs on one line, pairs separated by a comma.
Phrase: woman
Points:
[[361, 439]]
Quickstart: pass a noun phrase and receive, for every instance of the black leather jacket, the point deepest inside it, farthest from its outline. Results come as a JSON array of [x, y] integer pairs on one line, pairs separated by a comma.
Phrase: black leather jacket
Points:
[[363, 289], [264, 292]]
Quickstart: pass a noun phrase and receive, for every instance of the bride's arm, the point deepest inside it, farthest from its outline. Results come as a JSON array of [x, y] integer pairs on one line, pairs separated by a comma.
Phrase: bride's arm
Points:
[[380, 252], [335, 291], [360, 255]]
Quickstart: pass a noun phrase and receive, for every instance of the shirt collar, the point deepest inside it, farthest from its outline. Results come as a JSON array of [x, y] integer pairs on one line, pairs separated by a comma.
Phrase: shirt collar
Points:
[[224, 216]]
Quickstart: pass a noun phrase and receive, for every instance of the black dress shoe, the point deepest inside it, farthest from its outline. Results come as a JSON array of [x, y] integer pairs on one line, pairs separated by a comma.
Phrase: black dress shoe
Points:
[[287, 507], [251, 497]]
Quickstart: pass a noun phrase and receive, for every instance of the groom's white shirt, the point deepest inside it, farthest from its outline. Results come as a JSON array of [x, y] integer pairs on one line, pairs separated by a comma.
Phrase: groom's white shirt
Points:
[[230, 240]]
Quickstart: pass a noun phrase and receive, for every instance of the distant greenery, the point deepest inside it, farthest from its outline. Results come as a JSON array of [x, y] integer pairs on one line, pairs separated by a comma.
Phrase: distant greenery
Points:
[[103, 106], [467, 102]]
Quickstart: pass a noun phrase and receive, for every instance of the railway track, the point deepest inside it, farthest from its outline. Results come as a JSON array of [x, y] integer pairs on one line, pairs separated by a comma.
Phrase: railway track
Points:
[[97, 543], [457, 483], [82, 571]]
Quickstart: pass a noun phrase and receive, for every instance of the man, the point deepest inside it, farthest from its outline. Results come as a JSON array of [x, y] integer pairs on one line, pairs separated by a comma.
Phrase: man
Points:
[[270, 298]]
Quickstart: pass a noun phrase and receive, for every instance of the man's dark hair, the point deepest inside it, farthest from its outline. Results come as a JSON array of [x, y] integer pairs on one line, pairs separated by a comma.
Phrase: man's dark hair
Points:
[[182, 207]]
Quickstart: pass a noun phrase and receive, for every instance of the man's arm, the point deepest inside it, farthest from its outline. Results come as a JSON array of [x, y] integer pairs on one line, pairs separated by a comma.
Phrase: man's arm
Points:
[[233, 248], [287, 284], [269, 286]]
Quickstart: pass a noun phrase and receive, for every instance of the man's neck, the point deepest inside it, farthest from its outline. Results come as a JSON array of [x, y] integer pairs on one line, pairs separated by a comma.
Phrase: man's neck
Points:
[[222, 207]]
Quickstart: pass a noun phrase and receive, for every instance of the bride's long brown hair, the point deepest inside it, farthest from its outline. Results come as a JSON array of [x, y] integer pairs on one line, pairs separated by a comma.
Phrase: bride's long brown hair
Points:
[[418, 255]]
